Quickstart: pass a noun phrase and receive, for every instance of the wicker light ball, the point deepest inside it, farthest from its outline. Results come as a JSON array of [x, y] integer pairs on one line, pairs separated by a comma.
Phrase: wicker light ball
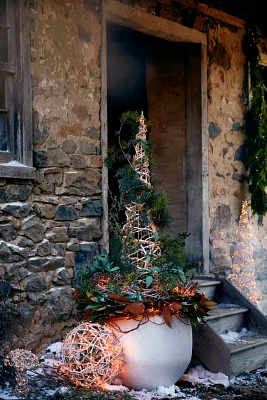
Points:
[[91, 355], [21, 360]]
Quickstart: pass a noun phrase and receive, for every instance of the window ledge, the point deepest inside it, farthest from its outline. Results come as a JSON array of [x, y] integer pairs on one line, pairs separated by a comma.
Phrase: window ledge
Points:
[[17, 171]]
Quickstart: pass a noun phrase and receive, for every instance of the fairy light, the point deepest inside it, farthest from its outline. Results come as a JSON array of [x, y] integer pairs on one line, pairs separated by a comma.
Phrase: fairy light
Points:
[[243, 267], [91, 355], [140, 241], [21, 360]]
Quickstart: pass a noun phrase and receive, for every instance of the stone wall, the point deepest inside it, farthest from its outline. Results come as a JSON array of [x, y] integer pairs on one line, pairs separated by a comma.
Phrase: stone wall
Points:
[[50, 228]]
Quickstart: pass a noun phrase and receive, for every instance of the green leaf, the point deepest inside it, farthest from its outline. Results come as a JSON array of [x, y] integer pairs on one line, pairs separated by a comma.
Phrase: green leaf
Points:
[[193, 319], [149, 280], [148, 259], [90, 306], [114, 269]]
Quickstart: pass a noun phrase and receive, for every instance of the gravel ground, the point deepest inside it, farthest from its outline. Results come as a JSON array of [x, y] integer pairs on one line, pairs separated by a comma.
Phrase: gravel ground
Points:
[[46, 384], [250, 386]]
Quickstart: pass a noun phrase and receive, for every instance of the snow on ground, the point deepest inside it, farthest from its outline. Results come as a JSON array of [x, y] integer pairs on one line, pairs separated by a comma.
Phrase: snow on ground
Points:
[[5, 394], [201, 375], [197, 376], [160, 393], [240, 337], [227, 305]]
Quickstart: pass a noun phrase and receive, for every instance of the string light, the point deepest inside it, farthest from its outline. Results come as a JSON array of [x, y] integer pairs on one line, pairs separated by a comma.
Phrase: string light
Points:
[[140, 241], [243, 269], [21, 360], [91, 355]]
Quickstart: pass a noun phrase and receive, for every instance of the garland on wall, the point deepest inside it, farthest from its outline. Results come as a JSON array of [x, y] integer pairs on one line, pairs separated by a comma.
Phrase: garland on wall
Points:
[[256, 129]]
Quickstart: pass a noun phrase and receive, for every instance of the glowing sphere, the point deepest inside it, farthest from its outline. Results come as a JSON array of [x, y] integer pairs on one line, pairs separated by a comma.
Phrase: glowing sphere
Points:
[[21, 360], [91, 355]]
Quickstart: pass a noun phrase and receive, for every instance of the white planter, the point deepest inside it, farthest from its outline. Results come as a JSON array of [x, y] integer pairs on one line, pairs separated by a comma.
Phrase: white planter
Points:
[[155, 354]]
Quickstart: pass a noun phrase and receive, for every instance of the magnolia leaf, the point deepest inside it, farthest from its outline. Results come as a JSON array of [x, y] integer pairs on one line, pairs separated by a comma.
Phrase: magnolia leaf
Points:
[[149, 280], [184, 308], [193, 319], [148, 259], [115, 296], [203, 298], [101, 308], [135, 308], [206, 302], [209, 303], [89, 294], [191, 273], [87, 313], [90, 306], [166, 315], [175, 306], [127, 309], [114, 269], [75, 296]]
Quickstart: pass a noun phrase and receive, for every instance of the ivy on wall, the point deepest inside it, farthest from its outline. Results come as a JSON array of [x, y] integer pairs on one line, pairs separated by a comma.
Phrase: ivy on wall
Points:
[[256, 129]]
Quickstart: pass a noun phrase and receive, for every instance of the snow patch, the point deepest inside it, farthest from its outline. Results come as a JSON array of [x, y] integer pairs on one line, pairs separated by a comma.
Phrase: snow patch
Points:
[[60, 269], [15, 164], [120, 388], [227, 305], [200, 375], [54, 348], [160, 393], [5, 394], [240, 337]]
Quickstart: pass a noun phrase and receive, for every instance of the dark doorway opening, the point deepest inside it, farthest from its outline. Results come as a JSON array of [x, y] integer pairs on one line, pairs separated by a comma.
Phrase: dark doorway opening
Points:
[[126, 82], [163, 79]]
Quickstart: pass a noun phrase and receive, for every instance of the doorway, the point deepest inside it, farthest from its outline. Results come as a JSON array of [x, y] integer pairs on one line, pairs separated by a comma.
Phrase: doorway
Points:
[[164, 79]]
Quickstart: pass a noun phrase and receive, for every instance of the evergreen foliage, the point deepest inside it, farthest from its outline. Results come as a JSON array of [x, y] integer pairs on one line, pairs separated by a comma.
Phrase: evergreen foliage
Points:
[[131, 188], [256, 129]]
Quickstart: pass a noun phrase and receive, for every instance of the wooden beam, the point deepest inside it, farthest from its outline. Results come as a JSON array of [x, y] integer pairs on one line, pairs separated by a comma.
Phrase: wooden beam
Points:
[[214, 13], [205, 160], [124, 15], [9, 171], [104, 132]]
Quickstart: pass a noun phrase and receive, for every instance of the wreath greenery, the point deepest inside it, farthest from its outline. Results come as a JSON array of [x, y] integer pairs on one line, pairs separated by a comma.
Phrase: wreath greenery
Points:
[[256, 129]]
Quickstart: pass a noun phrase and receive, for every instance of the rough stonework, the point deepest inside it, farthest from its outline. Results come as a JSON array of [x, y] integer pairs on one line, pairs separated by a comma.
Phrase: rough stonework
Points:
[[50, 228]]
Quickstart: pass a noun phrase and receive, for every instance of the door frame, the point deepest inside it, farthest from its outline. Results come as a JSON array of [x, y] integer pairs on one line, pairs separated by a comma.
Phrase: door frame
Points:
[[130, 17]]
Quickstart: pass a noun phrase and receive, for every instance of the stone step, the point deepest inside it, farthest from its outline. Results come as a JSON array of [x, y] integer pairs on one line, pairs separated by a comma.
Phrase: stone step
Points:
[[229, 358], [211, 288], [247, 356], [249, 352], [227, 319]]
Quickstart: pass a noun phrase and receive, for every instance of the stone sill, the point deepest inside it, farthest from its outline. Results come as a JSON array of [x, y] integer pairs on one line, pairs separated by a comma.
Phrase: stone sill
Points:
[[8, 171]]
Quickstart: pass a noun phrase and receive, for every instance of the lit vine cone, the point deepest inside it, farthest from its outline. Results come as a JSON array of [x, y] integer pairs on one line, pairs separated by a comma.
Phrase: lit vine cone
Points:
[[140, 240]]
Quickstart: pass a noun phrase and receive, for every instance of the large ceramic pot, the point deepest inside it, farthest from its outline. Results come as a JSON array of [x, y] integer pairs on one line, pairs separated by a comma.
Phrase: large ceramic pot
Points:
[[155, 355]]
